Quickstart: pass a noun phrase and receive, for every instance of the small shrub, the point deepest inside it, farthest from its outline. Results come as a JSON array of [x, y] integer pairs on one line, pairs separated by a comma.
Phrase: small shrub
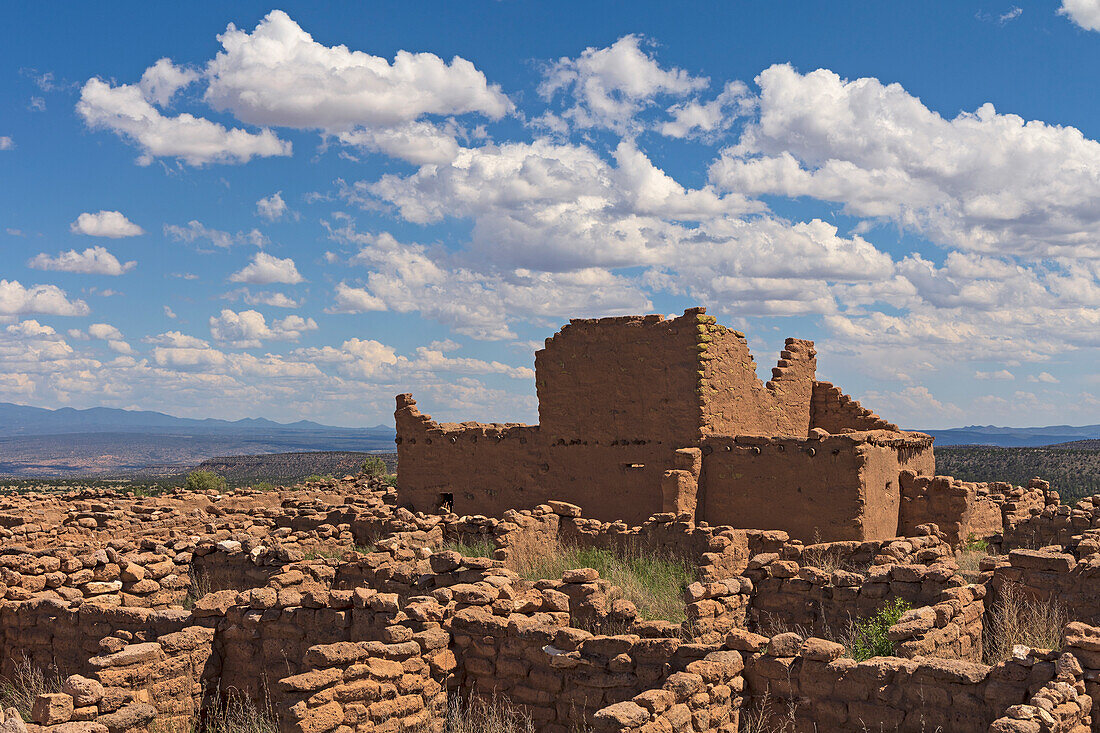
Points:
[[197, 587], [27, 682], [140, 492], [1017, 618], [391, 480], [264, 486], [766, 715], [203, 480], [866, 637], [374, 466], [974, 544], [318, 477]]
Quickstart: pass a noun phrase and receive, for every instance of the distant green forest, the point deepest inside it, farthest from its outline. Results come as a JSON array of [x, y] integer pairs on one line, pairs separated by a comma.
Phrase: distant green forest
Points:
[[1073, 472]]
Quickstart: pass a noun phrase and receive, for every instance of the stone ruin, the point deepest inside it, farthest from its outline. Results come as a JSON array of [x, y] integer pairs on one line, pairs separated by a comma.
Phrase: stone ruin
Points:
[[641, 415], [332, 607]]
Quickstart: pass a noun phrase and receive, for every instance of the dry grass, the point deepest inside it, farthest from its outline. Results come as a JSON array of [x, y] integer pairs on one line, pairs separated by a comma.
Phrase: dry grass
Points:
[[653, 582], [968, 561], [1018, 618], [769, 716], [969, 555], [27, 682], [486, 715], [830, 561], [197, 588], [235, 712]]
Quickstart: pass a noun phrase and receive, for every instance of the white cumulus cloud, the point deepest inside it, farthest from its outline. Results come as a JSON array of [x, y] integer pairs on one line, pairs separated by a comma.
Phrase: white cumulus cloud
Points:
[[92, 261], [126, 111], [271, 207], [196, 231], [162, 80], [114, 338], [247, 329], [1085, 13], [983, 181], [999, 375], [113, 224], [611, 85], [265, 269], [278, 75], [15, 299]]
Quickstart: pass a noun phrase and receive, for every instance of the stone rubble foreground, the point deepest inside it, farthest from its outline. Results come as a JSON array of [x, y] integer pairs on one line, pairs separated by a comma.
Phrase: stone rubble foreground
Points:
[[339, 611]]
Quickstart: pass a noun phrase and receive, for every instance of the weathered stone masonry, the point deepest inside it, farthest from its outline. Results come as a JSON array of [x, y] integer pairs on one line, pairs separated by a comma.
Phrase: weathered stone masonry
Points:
[[641, 415]]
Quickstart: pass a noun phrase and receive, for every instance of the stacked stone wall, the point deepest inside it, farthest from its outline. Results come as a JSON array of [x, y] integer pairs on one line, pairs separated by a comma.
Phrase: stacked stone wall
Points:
[[835, 412], [809, 680], [1049, 522], [1050, 576]]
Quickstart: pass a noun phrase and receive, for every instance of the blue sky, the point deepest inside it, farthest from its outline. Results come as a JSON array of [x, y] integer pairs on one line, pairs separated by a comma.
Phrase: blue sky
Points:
[[298, 211]]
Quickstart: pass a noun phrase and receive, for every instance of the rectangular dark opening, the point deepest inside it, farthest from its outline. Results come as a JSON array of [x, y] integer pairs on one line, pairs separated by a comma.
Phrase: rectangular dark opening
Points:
[[446, 502]]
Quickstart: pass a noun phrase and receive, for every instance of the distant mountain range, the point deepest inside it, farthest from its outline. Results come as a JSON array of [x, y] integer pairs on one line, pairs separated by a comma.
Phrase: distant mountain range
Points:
[[24, 420], [104, 441], [1014, 437]]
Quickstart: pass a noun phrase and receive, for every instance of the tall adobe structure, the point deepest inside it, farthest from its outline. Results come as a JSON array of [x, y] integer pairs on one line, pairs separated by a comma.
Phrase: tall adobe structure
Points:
[[641, 415]]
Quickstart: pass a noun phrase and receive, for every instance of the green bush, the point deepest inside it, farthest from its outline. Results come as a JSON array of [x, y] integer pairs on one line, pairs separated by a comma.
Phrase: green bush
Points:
[[319, 477], [868, 636], [204, 480], [973, 544], [374, 466]]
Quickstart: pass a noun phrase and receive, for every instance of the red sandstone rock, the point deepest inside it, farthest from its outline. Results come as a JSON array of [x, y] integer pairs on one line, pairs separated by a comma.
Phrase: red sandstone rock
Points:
[[52, 708]]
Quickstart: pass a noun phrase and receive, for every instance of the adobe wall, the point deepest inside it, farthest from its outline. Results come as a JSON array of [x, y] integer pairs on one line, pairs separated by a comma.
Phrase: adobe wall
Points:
[[611, 379], [489, 469], [736, 402], [625, 405], [845, 487]]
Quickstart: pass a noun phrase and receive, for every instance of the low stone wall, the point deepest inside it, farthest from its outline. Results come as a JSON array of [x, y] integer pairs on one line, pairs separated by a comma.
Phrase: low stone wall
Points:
[[785, 594], [706, 696], [131, 685], [560, 675], [810, 681], [50, 635], [965, 509], [951, 628], [366, 686], [1048, 575], [1054, 523], [1060, 705], [1083, 642]]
